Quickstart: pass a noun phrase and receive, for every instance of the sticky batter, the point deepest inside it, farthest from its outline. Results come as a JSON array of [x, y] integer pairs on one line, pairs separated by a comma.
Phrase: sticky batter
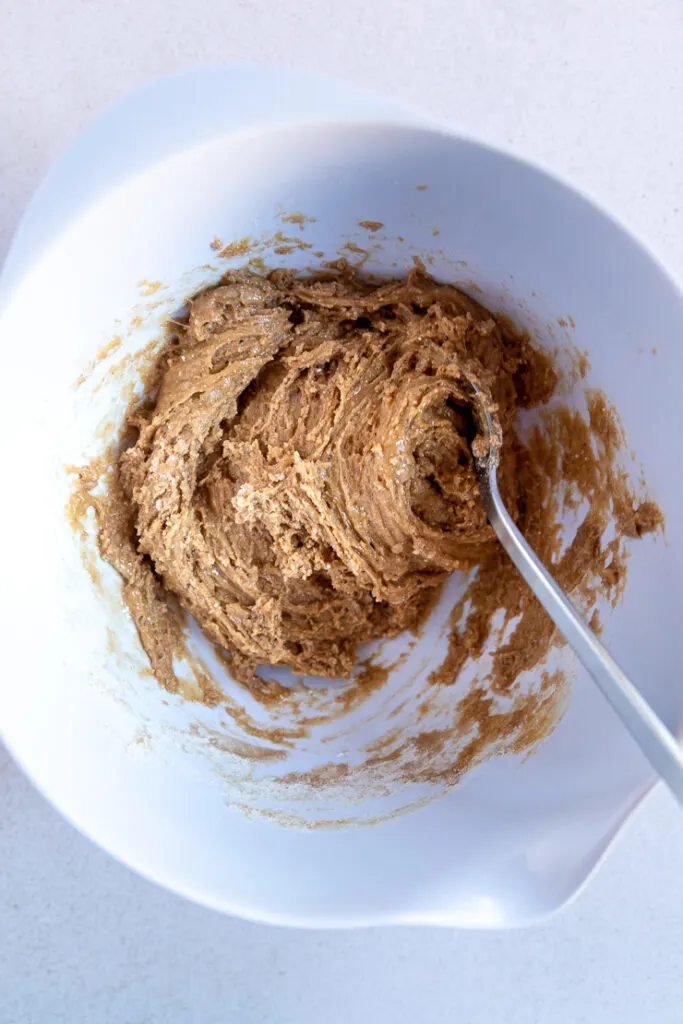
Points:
[[302, 478]]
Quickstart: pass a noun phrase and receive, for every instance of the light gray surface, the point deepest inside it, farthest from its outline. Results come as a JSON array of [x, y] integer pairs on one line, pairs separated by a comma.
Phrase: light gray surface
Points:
[[593, 91]]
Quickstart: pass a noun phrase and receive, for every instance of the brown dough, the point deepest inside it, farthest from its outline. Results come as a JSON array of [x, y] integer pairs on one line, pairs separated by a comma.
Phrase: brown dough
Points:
[[302, 480]]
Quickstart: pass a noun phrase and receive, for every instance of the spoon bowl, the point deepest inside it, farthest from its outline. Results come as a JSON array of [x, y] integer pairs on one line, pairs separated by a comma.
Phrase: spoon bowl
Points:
[[110, 248]]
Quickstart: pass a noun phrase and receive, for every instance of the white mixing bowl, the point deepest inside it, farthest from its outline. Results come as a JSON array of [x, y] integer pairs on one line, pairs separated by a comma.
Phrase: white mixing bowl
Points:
[[139, 197]]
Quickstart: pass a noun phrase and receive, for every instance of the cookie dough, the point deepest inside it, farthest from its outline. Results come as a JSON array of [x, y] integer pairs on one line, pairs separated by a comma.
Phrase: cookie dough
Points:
[[302, 479]]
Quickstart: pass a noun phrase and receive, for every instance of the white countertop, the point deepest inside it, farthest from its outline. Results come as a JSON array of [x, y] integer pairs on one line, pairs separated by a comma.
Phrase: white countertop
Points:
[[593, 91]]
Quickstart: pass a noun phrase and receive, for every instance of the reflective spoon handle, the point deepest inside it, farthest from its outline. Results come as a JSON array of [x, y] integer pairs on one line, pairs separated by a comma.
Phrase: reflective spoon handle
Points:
[[654, 739]]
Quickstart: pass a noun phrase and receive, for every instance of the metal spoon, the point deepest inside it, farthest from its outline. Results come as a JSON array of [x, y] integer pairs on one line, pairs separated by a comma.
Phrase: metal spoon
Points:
[[659, 746]]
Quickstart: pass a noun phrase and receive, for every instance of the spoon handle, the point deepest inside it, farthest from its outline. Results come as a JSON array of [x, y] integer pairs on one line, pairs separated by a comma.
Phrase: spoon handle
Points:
[[656, 742]]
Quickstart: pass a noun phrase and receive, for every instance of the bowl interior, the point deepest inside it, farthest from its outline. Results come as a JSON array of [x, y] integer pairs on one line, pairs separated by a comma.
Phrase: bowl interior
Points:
[[143, 772]]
